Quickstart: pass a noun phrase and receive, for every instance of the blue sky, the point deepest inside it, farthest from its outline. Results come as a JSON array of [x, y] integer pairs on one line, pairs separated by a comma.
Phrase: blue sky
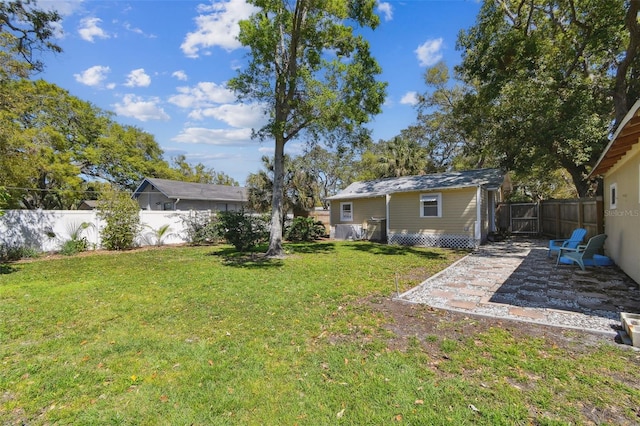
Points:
[[162, 65]]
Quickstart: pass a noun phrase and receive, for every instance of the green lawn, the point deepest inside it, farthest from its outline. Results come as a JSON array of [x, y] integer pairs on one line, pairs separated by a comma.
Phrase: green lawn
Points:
[[200, 335]]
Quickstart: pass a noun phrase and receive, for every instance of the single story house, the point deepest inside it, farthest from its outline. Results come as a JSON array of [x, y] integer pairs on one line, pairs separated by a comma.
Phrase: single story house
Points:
[[453, 209], [165, 194], [619, 165]]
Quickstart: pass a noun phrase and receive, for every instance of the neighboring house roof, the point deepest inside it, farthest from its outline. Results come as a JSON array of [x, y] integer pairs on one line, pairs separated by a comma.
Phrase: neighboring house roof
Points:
[[175, 189], [88, 205], [627, 135], [489, 178]]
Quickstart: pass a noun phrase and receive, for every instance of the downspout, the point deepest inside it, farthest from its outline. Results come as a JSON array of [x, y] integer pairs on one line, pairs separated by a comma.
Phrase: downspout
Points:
[[387, 199], [176, 203], [478, 230]]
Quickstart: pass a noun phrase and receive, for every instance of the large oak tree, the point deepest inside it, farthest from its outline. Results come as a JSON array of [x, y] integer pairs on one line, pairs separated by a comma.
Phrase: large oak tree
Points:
[[313, 72], [550, 79]]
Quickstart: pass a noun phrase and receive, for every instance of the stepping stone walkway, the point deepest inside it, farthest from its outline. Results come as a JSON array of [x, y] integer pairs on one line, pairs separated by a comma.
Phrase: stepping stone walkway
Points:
[[516, 280]]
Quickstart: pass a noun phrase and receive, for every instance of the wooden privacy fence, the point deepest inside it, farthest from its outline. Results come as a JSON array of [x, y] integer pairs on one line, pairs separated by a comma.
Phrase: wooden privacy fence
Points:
[[552, 218]]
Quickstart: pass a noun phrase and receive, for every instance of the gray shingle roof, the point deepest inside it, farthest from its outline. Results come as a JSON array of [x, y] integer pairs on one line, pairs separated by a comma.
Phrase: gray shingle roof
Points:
[[489, 178], [175, 189]]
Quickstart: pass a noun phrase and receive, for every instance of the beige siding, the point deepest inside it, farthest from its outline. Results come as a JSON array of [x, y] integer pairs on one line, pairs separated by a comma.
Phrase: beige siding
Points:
[[622, 224], [363, 209], [458, 213]]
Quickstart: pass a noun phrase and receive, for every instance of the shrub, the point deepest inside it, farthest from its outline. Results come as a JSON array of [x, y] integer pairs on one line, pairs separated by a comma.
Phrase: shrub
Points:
[[76, 242], [201, 228], [71, 247], [244, 231], [122, 217], [10, 253], [305, 229]]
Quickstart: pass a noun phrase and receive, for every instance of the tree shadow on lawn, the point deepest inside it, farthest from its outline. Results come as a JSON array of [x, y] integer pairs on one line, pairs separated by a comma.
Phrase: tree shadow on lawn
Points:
[[317, 247], [398, 250], [231, 257], [257, 259]]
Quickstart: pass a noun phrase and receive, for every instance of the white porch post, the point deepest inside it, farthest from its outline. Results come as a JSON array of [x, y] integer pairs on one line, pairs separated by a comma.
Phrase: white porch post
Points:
[[478, 230]]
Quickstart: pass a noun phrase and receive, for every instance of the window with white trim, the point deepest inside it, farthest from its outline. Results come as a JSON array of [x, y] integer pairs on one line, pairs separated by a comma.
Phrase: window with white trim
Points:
[[431, 205], [613, 195], [346, 211]]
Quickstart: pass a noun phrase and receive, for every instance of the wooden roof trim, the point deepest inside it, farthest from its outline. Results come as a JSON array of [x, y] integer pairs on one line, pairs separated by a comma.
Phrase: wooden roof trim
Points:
[[627, 135]]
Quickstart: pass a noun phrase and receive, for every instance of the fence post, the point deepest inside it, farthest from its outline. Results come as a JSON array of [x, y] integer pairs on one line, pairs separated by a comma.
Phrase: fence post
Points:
[[581, 203], [600, 215], [558, 223]]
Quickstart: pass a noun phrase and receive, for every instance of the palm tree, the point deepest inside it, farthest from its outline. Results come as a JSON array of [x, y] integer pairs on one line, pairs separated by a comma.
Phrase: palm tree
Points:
[[402, 157]]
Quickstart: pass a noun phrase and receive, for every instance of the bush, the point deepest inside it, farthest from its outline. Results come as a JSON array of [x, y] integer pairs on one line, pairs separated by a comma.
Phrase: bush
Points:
[[201, 228], [244, 231], [122, 217], [76, 242], [13, 253], [305, 229]]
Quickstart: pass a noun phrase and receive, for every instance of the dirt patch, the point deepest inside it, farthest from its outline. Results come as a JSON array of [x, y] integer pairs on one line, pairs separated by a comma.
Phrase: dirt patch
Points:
[[422, 322]]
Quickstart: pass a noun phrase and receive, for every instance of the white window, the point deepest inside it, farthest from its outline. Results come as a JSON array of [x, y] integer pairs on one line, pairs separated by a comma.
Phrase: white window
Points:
[[346, 211], [613, 195], [431, 205]]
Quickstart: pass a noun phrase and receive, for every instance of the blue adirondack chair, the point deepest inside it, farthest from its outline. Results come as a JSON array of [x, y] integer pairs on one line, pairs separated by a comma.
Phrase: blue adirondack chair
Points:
[[583, 255], [572, 242]]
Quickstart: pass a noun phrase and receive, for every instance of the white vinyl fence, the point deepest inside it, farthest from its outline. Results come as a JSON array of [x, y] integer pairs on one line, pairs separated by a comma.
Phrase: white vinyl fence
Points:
[[47, 230]]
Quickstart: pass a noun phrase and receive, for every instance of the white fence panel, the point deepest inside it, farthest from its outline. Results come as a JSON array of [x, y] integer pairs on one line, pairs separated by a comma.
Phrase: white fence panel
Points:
[[47, 230], [152, 221]]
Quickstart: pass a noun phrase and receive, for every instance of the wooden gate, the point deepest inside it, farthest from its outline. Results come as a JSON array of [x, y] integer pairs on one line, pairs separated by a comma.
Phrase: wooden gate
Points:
[[525, 218]]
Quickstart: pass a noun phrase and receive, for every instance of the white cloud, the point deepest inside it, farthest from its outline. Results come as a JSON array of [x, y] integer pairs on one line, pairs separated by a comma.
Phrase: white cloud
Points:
[[201, 135], [127, 26], [217, 25], [428, 53], [89, 29], [138, 78], [63, 7], [93, 76], [140, 109], [410, 98], [235, 115], [203, 95], [386, 9], [180, 75]]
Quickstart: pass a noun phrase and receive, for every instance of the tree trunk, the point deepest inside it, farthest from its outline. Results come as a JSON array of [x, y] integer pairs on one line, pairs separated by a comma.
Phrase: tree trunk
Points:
[[633, 48], [277, 215], [578, 174]]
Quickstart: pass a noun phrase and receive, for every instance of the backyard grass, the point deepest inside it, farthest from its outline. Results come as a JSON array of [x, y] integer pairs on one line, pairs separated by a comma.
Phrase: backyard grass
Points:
[[205, 336]]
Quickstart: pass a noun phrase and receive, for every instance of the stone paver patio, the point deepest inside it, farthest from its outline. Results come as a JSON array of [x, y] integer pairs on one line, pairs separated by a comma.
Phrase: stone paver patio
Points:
[[514, 279]]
